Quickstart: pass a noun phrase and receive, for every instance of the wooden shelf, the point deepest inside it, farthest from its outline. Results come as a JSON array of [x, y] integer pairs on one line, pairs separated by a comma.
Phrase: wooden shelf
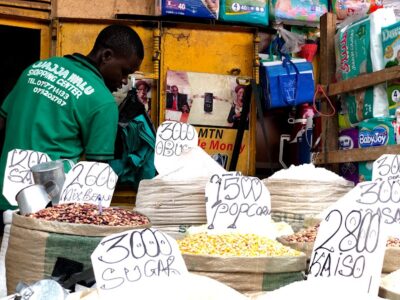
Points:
[[363, 81], [354, 155]]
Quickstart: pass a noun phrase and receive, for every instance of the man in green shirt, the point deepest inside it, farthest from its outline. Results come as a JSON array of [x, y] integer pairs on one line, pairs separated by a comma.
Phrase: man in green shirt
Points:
[[63, 106]]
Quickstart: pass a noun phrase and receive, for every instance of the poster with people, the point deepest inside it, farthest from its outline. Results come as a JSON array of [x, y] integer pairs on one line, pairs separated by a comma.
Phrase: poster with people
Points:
[[204, 99]]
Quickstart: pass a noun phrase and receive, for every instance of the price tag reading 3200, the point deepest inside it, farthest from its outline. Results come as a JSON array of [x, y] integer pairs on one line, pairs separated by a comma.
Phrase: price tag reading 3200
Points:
[[237, 202]]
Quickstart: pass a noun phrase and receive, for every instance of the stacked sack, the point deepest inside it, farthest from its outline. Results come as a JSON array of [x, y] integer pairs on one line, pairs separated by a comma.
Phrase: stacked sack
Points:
[[300, 193], [173, 205]]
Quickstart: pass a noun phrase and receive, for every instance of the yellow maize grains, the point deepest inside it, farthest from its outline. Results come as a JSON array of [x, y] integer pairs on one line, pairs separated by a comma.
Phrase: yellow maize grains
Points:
[[248, 245]]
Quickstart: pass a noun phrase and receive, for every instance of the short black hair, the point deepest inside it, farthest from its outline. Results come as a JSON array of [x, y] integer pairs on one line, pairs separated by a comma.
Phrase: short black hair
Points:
[[121, 39]]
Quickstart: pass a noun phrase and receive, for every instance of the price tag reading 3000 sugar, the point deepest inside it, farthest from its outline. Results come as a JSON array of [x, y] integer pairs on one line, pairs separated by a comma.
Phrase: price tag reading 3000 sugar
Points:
[[128, 262], [237, 202], [172, 141], [18, 171], [89, 182]]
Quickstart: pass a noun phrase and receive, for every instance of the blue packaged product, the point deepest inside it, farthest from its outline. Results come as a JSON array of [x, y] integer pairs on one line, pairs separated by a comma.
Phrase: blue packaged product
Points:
[[208, 9], [244, 11]]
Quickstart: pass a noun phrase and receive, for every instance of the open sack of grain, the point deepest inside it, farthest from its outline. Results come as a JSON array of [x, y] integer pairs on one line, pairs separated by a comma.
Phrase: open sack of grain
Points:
[[245, 262], [302, 192], [70, 231]]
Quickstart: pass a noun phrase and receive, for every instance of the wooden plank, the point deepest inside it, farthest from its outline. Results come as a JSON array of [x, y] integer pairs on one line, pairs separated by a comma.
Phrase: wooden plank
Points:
[[354, 155], [364, 80], [330, 128], [26, 4], [26, 13]]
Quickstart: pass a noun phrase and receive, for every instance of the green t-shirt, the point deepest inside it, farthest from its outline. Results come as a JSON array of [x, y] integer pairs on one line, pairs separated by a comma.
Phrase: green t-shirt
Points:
[[60, 106]]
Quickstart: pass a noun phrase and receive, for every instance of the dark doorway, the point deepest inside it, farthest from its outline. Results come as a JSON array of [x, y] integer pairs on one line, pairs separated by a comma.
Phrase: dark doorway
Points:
[[20, 47]]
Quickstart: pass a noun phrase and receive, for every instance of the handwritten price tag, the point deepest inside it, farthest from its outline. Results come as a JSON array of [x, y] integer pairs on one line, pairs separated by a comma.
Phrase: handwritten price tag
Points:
[[237, 202], [386, 167], [18, 171], [173, 140], [89, 182], [351, 241], [133, 260]]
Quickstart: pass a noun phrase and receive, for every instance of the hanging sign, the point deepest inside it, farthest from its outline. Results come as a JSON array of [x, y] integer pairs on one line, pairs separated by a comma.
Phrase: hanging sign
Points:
[[237, 202], [18, 173], [351, 240], [89, 182], [135, 260], [386, 167], [173, 140]]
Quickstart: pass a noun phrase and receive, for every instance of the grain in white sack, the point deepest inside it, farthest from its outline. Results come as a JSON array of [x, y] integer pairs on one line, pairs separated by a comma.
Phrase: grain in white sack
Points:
[[391, 282], [308, 172]]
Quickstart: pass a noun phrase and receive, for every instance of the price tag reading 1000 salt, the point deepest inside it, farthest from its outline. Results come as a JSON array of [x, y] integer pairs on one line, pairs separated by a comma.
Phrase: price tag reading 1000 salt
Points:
[[351, 240], [173, 140], [89, 182], [18, 171], [131, 261], [237, 202]]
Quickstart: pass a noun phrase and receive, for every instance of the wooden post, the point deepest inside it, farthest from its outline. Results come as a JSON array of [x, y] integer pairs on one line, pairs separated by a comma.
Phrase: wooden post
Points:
[[330, 129]]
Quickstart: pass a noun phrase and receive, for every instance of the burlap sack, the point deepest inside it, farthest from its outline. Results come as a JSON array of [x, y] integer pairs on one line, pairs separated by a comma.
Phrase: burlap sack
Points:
[[248, 274], [391, 262], [305, 247], [173, 202], [34, 246]]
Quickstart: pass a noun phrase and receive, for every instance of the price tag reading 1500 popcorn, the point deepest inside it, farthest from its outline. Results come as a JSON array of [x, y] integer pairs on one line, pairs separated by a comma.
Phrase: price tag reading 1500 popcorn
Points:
[[89, 182], [131, 262], [237, 202]]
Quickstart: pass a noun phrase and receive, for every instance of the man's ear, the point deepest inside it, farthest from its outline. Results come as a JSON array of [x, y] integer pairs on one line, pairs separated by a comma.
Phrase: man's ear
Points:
[[107, 55]]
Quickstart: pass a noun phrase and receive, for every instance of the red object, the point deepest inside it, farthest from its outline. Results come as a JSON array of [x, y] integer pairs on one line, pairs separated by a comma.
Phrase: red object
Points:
[[308, 51]]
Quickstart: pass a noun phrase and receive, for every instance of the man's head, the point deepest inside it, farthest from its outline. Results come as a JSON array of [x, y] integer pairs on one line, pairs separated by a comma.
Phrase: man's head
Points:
[[174, 90], [142, 88], [117, 52]]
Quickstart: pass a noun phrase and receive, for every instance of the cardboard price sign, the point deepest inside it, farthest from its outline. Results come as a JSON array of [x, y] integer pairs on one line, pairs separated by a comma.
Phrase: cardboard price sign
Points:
[[18, 171], [135, 260], [89, 182], [172, 141], [386, 167], [351, 240], [237, 202]]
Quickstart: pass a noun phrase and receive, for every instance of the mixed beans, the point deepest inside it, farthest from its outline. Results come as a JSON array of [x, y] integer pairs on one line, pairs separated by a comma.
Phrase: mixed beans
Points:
[[90, 214]]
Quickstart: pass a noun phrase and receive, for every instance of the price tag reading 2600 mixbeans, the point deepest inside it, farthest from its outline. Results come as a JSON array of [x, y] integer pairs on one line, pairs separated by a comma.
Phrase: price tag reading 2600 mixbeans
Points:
[[237, 202], [351, 240], [172, 141], [89, 182], [125, 262], [18, 173]]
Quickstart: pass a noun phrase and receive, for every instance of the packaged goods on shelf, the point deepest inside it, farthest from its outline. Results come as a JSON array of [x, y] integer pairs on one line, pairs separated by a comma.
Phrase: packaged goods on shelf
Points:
[[391, 57], [371, 133], [297, 10], [246, 262], [349, 8], [244, 11], [35, 244], [348, 139], [208, 9], [358, 51]]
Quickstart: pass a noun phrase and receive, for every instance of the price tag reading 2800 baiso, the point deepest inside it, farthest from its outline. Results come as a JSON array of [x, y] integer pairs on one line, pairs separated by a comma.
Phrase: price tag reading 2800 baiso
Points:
[[127, 261], [89, 182], [351, 241], [237, 202]]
